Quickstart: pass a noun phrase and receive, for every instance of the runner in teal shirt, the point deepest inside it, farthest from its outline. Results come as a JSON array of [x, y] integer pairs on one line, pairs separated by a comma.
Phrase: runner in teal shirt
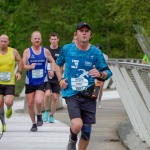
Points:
[[78, 63], [83, 63]]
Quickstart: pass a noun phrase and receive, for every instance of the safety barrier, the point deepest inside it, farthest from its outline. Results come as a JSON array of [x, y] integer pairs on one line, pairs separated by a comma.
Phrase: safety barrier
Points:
[[109, 84], [132, 82], [131, 60]]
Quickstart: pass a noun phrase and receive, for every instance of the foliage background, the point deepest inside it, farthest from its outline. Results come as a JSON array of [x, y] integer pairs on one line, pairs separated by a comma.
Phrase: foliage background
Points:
[[112, 22]]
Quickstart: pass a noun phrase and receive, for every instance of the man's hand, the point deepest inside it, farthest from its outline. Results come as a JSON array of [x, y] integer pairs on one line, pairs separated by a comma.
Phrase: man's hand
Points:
[[18, 75], [96, 74], [63, 83], [51, 73], [32, 66]]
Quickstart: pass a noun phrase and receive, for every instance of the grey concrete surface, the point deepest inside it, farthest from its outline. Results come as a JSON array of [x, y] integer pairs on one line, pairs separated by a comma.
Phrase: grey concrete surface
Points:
[[18, 136], [55, 136], [129, 138]]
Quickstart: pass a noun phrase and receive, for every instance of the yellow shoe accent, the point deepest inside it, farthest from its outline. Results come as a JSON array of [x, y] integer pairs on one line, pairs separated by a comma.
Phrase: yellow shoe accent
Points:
[[9, 112], [4, 127], [99, 106]]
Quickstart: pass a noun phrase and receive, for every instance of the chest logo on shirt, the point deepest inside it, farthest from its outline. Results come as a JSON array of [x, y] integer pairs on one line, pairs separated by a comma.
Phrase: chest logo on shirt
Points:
[[91, 57], [87, 63], [32, 56], [76, 62]]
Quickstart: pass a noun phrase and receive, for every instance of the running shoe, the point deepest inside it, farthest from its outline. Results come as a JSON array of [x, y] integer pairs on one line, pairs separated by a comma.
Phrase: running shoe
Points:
[[4, 127], [34, 128], [45, 116], [71, 144], [100, 106], [51, 119], [9, 112], [39, 120]]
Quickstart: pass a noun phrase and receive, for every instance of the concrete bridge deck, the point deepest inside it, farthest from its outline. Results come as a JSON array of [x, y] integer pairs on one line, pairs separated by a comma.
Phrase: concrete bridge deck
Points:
[[55, 136]]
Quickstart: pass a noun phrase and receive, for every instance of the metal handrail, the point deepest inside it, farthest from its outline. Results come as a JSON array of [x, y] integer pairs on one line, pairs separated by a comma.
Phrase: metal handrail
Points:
[[132, 81], [129, 64]]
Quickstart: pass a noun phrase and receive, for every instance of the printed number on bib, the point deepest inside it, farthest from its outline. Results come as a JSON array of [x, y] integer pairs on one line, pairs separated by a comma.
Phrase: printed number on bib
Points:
[[79, 84], [38, 73], [5, 76]]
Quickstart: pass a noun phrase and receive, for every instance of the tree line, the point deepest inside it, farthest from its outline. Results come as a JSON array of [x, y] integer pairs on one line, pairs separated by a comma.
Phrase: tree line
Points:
[[112, 22]]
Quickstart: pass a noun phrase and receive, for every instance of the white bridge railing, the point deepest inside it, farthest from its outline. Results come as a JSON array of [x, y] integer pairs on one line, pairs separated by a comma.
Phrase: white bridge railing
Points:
[[109, 84], [132, 82]]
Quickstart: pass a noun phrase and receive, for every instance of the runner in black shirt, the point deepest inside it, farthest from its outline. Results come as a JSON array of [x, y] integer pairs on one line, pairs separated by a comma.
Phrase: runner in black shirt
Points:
[[52, 85]]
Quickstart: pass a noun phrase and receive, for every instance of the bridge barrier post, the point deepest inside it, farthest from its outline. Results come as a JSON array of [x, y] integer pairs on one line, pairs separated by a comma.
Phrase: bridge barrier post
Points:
[[132, 82]]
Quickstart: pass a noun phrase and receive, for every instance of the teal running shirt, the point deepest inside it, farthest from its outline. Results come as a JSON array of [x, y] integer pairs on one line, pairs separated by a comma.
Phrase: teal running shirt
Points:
[[78, 63]]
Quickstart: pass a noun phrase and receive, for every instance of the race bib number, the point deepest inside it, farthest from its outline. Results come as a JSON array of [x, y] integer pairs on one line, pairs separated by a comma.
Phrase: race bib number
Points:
[[38, 73], [5, 76], [79, 84]]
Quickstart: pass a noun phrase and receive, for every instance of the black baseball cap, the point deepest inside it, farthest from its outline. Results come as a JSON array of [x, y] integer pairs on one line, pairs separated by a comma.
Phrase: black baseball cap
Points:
[[83, 24]]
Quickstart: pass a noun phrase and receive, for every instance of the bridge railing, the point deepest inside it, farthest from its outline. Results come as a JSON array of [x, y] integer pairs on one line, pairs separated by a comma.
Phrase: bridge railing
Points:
[[132, 60], [132, 82], [109, 84]]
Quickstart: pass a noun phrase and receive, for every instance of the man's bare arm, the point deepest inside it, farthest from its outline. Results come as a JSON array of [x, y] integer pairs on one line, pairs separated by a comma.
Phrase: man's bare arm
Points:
[[18, 59], [20, 64], [62, 82], [25, 58], [50, 59], [59, 72]]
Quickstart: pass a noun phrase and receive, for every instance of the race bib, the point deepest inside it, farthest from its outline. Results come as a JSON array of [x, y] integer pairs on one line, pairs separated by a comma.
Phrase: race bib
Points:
[[48, 66], [79, 84], [5, 76], [38, 73]]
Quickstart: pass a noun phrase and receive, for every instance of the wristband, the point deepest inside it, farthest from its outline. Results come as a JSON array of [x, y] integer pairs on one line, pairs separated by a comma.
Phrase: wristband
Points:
[[101, 73], [60, 80], [19, 72]]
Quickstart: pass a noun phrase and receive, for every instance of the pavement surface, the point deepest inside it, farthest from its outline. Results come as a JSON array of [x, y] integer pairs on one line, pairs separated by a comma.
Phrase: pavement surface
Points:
[[129, 138], [110, 118]]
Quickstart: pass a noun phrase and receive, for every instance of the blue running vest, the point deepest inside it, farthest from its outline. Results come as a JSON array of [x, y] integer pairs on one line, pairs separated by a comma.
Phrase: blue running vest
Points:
[[38, 75]]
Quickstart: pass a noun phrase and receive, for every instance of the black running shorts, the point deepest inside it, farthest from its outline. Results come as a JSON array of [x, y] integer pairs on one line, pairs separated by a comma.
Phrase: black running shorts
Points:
[[7, 89], [31, 88], [81, 107], [54, 87]]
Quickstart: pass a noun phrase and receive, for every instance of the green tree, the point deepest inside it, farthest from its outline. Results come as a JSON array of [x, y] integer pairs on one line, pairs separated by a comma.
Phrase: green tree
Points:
[[112, 22]]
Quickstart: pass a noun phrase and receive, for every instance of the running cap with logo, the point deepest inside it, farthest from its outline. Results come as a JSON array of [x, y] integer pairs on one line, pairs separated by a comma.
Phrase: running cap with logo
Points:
[[83, 24]]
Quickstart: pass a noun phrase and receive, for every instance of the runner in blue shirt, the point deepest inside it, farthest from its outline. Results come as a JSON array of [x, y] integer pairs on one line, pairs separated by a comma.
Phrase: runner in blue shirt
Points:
[[35, 59], [83, 63]]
